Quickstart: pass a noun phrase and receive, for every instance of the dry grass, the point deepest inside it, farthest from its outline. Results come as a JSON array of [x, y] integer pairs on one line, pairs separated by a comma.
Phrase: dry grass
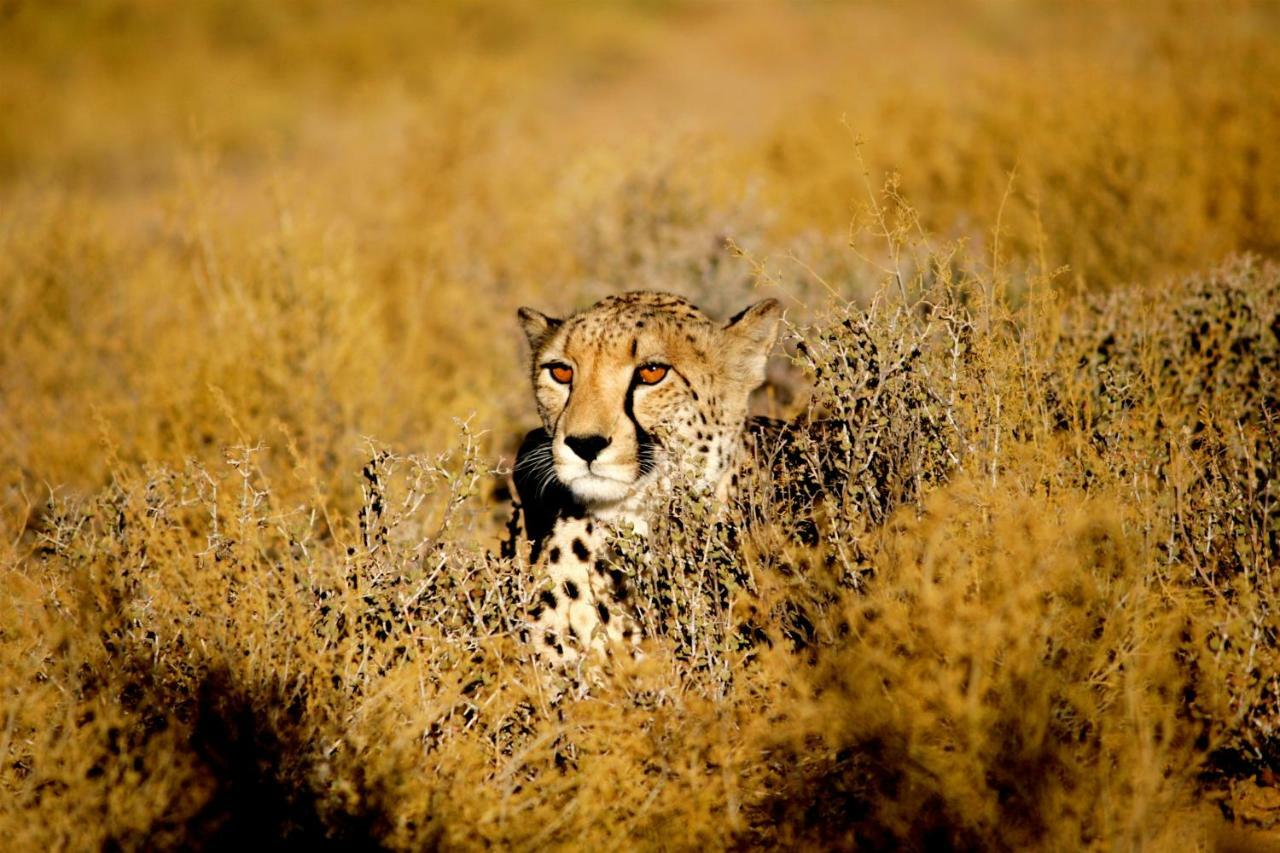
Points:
[[1035, 608]]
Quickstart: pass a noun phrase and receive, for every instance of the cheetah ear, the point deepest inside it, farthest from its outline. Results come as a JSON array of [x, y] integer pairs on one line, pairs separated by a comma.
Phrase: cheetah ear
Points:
[[749, 336], [537, 326]]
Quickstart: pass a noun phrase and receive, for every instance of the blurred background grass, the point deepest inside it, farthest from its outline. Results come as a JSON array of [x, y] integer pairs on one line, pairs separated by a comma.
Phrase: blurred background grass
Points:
[[237, 238], [328, 210]]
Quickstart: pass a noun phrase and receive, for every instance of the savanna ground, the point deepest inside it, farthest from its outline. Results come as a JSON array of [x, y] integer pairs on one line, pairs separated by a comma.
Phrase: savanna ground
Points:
[[260, 379]]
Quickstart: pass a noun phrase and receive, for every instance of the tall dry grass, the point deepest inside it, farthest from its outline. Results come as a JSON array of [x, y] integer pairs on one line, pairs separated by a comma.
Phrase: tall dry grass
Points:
[[259, 380]]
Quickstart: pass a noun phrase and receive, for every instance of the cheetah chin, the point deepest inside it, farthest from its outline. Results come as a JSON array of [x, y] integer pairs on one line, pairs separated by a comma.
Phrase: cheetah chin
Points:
[[600, 490]]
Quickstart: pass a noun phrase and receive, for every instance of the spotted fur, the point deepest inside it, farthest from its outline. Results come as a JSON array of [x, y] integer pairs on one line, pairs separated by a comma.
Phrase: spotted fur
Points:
[[612, 440]]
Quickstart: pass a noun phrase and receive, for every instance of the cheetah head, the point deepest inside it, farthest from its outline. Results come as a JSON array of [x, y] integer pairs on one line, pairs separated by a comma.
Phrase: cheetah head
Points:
[[640, 382]]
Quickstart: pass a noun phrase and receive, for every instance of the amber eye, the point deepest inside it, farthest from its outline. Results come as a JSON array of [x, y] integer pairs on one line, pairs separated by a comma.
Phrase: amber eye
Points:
[[652, 374], [561, 373]]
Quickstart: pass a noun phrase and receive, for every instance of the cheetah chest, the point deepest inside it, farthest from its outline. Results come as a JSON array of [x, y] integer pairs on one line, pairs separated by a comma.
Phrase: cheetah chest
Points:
[[582, 605]]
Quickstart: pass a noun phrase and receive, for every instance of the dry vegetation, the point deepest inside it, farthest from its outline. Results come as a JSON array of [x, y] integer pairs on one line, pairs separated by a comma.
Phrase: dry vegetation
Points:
[[260, 376]]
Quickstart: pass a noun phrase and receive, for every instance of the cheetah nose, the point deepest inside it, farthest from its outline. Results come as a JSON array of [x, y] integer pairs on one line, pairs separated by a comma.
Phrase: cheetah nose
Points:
[[587, 446]]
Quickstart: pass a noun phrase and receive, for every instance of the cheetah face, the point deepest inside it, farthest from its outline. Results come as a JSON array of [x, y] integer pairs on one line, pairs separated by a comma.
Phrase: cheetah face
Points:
[[639, 383]]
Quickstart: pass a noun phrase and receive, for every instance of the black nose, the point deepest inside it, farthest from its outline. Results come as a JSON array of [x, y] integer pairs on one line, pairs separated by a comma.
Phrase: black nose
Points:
[[587, 446]]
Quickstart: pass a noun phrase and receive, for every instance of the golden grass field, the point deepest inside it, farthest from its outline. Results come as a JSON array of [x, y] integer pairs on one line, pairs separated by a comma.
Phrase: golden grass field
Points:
[[259, 267]]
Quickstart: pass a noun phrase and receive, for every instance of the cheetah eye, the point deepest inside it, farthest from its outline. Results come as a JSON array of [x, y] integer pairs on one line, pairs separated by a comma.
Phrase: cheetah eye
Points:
[[561, 373], [652, 374]]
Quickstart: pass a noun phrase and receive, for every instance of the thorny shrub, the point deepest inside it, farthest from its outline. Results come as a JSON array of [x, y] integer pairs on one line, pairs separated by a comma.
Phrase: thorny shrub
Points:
[[1006, 580]]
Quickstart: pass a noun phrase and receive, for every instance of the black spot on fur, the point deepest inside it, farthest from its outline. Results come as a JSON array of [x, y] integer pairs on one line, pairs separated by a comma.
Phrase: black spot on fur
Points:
[[603, 611], [806, 532], [550, 639], [571, 589], [554, 555], [548, 598], [633, 347], [580, 551]]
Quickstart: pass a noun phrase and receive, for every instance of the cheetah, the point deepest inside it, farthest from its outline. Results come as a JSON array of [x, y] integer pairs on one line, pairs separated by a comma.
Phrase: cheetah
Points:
[[637, 392]]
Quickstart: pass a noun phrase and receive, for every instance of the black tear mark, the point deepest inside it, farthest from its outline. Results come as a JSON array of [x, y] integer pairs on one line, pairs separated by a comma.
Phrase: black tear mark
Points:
[[634, 346], [645, 443]]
